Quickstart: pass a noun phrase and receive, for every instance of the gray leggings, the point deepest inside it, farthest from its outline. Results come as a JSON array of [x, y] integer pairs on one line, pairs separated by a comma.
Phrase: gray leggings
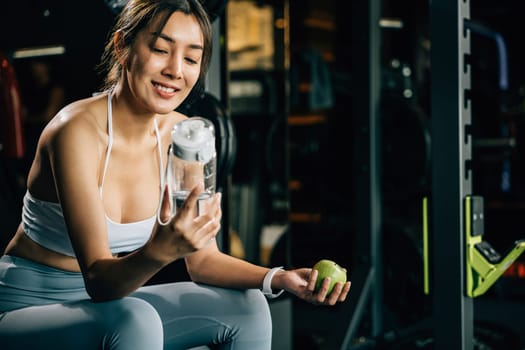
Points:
[[47, 308]]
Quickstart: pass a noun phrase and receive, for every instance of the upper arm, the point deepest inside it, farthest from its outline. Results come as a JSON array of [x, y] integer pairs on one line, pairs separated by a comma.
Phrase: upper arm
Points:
[[74, 151]]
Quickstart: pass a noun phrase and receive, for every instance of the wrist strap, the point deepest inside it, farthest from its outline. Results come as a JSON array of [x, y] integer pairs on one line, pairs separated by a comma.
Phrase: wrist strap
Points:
[[267, 283]]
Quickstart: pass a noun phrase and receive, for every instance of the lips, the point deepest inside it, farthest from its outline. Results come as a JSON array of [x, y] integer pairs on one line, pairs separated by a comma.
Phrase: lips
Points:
[[165, 88]]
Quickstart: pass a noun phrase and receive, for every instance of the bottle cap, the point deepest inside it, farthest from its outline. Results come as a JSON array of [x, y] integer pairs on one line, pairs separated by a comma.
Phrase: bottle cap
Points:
[[193, 139]]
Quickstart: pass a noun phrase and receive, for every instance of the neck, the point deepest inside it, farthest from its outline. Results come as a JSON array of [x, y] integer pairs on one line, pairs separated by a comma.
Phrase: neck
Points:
[[128, 121]]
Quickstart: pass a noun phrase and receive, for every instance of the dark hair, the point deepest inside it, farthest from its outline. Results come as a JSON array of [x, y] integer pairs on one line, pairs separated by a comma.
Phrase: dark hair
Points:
[[137, 15]]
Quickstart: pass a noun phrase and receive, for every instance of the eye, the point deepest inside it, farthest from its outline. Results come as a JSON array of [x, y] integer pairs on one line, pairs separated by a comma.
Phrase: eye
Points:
[[159, 50], [191, 60]]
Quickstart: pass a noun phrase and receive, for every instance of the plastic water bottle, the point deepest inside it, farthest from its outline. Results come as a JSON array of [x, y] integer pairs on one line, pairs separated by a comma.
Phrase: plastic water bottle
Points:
[[192, 159]]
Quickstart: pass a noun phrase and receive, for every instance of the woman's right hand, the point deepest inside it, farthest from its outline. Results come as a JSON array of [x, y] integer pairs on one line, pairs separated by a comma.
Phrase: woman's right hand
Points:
[[186, 232]]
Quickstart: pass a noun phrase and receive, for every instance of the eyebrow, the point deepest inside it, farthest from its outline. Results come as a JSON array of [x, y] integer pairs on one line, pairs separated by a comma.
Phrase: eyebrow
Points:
[[171, 40]]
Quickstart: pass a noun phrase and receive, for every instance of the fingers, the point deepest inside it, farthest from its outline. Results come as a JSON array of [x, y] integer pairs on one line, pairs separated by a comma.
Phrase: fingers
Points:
[[313, 278], [190, 203], [205, 226], [217, 205], [197, 207], [207, 232], [197, 211], [338, 293], [209, 209], [333, 298], [322, 294], [346, 290]]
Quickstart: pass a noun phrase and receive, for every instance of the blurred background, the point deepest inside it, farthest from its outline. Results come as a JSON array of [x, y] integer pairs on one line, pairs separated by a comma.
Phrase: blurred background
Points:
[[281, 89]]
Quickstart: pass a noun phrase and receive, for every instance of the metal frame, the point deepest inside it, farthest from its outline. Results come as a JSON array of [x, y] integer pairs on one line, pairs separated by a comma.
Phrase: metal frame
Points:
[[216, 83], [366, 94], [366, 97], [452, 321], [451, 176]]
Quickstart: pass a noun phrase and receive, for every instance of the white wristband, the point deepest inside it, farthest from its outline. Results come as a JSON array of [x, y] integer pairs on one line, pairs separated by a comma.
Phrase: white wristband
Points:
[[267, 283]]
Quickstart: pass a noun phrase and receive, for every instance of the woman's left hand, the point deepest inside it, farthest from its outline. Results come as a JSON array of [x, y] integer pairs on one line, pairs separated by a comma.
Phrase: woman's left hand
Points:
[[301, 282]]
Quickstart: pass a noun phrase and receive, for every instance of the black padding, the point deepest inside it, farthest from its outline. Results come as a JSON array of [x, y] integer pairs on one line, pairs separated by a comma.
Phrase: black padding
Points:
[[215, 8], [406, 148]]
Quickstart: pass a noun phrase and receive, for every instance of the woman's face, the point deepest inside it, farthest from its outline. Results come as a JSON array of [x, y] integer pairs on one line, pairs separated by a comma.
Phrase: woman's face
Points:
[[161, 75]]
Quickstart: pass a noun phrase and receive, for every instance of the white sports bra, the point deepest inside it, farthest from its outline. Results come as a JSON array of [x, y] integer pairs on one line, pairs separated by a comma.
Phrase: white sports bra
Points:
[[44, 223]]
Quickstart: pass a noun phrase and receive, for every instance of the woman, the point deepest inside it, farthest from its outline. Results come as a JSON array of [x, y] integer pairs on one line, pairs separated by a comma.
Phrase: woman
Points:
[[94, 191]]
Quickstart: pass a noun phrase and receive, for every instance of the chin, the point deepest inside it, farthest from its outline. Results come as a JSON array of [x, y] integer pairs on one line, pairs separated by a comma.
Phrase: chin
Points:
[[166, 107], [162, 110]]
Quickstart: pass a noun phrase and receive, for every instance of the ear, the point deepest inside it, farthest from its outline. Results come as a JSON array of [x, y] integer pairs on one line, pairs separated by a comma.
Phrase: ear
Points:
[[118, 44]]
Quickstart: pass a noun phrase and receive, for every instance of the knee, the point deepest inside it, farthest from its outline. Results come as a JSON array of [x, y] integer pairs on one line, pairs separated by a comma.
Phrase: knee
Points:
[[253, 318], [256, 301], [135, 313], [255, 307], [135, 322]]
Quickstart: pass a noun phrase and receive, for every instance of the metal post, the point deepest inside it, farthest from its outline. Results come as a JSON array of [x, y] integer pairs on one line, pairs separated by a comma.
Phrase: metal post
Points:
[[367, 274], [366, 96], [451, 178], [216, 84]]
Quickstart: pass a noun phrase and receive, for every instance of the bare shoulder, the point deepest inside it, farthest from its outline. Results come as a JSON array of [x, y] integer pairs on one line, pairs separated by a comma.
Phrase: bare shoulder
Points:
[[74, 138], [83, 120]]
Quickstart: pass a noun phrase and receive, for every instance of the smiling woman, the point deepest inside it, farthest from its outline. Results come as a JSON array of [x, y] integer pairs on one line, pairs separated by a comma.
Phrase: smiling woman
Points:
[[90, 237]]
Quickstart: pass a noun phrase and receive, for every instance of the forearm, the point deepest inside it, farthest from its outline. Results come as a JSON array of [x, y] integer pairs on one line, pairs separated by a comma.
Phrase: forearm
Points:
[[223, 270], [115, 278]]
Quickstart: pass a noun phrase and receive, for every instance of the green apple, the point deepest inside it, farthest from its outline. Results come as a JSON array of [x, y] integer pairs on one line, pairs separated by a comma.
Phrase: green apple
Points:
[[329, 268]]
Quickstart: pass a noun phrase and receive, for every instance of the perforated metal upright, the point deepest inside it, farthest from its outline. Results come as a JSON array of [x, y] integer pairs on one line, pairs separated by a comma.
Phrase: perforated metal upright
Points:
[[451, 175]]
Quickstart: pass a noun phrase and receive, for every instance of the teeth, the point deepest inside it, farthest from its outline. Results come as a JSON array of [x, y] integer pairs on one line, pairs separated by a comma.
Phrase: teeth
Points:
[[164, 88]]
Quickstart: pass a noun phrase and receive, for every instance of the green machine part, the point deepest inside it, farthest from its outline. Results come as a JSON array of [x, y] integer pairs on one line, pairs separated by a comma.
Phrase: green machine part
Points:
[[484, 265], [426, 257]]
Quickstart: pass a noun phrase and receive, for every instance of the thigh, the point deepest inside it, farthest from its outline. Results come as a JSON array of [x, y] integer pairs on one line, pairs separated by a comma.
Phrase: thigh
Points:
[[194, 314], [127, 323]]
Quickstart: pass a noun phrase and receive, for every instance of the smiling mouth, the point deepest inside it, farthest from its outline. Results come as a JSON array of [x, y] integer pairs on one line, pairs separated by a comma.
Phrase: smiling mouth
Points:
[[165, 88]]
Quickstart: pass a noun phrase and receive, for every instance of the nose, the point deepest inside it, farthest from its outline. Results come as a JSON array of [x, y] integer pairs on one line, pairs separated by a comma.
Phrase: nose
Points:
[[173, 68]]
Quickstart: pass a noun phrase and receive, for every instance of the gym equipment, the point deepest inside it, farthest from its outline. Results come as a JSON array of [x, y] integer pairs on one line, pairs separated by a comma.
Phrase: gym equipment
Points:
[[116, 5], [11, 133], [503, 142], [487, 336], [215, 8], [309, 69], [484, 264], [406, 161]]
